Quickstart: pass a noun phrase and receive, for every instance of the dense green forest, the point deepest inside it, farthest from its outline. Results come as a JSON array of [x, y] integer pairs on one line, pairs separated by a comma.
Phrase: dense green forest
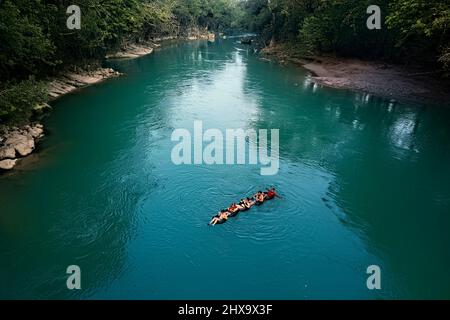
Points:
[[412, 31], [35, 42]]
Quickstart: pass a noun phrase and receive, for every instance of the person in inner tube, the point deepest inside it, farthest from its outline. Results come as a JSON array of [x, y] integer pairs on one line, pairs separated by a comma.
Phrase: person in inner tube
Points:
[[259, 198], [221, 216], [234, 209], [271, 193], [246, 204]]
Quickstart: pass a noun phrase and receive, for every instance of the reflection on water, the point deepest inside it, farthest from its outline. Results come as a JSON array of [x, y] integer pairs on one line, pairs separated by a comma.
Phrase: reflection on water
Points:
[[364, 180]]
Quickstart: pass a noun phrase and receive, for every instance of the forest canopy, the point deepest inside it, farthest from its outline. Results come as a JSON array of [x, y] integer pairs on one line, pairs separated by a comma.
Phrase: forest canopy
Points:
[[413, 31], [35, 42], [34, 37]]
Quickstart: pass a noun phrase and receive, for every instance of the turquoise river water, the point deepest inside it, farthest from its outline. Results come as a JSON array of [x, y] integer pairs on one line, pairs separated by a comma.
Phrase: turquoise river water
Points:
[[364, 182]]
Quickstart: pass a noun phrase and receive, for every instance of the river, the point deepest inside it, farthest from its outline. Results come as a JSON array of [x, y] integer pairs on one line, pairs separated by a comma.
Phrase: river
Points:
[[364, 182]]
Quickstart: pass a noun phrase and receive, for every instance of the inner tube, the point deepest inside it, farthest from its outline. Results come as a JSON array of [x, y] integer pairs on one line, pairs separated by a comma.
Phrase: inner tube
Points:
[[221, 221], [232, 215], [256, 203]]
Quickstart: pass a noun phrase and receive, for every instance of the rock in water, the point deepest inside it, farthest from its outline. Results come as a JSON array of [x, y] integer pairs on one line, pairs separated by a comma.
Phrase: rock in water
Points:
[[18, 142], [36, 132], [25, 148], [7, 153], [23, 143], [7, 164]]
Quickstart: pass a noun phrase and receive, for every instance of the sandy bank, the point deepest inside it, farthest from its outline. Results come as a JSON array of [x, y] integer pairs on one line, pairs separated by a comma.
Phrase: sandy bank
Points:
[[381, 79]]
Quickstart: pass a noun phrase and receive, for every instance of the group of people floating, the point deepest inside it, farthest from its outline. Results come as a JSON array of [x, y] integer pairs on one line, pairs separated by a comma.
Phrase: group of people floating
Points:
[[243, 205]]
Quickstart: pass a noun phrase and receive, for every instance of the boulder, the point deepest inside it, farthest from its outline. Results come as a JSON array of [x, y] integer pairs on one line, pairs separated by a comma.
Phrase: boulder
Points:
[[25, 148], [36, 132], [7, 164], [23, 143], [7, 153]]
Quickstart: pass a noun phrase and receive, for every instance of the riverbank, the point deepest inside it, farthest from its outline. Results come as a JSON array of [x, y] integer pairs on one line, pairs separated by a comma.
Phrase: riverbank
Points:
[[18, 142], [377, 78], [133, 50], [74, 80]]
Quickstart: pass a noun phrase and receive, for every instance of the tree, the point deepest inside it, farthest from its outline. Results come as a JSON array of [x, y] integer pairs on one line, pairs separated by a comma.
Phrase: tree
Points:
[[421, 27]]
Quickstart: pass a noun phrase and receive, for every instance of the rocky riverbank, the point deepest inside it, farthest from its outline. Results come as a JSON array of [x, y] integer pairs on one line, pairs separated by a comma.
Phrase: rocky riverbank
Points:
[[19, 142], [16, 143], [378, 78], [72, 81]]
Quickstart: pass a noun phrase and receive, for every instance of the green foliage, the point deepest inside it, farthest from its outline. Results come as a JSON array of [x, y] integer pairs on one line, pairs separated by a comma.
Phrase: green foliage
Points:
[[412, 31], [445, 58], [419, 17], [257, 16], [421, 27], [315, 35], [215, 15], [17, 100], [34, 39], [24, 45], [339, 26], [155, 18]]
